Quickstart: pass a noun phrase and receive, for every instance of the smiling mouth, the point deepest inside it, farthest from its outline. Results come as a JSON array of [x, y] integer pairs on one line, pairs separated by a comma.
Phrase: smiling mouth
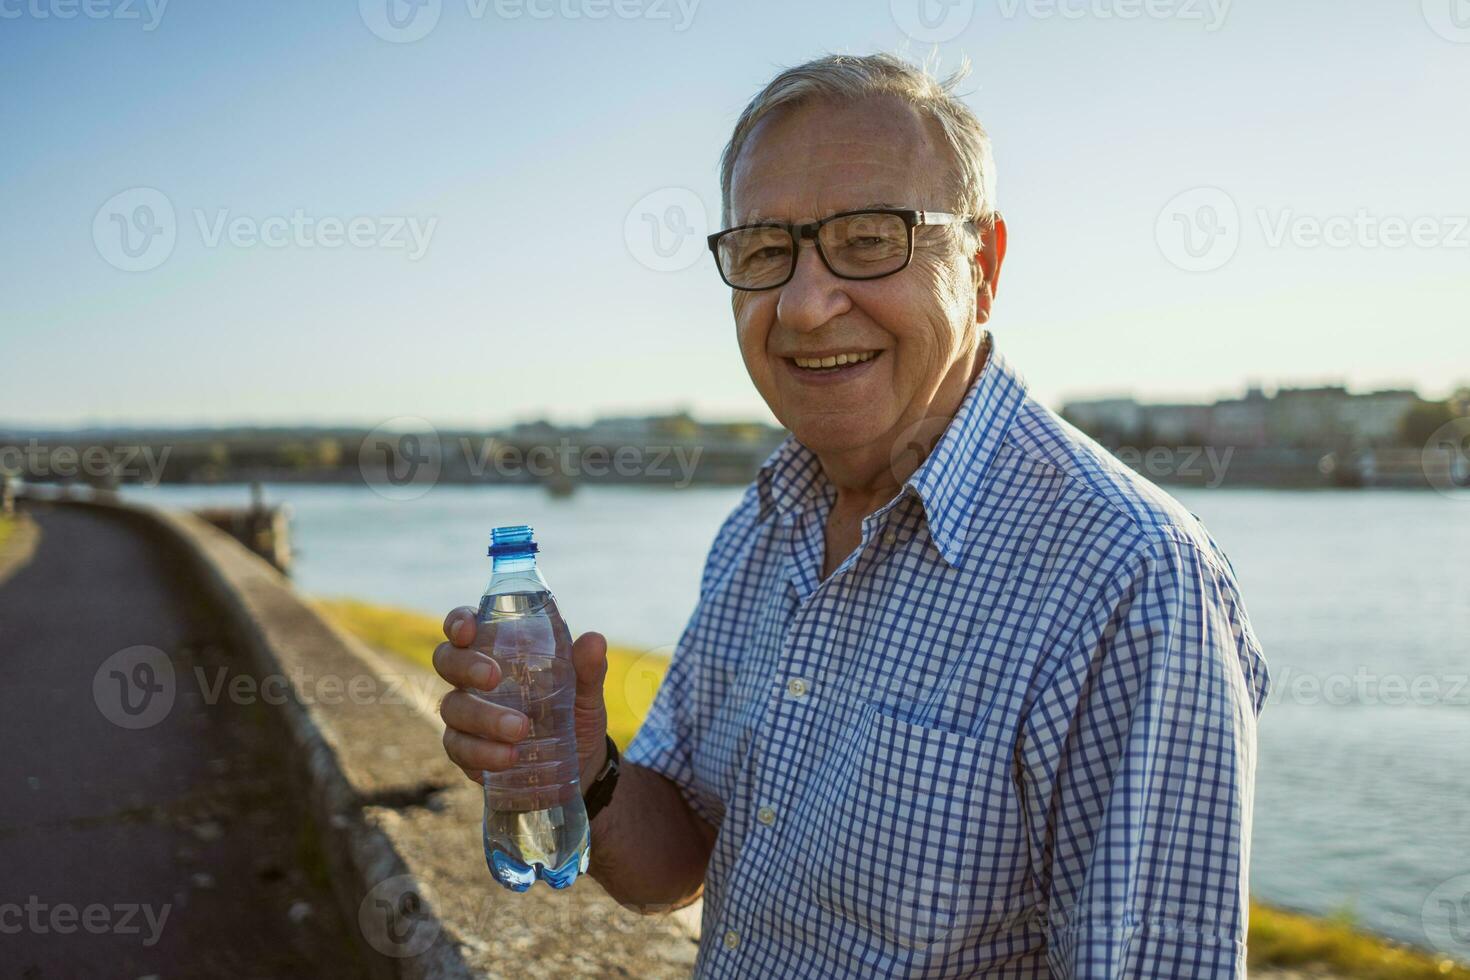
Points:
[[834, 362]]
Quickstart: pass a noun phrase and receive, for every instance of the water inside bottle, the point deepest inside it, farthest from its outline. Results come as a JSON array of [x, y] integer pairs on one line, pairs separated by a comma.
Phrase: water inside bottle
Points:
[[535, 822]]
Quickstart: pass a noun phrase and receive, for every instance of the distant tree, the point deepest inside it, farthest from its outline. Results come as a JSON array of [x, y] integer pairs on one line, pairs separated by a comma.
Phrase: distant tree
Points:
[[214, 461], [295, 455], [329, 453]]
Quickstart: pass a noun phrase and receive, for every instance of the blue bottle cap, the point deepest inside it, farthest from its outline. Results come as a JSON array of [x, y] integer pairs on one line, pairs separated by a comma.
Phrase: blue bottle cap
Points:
[[513, 539]]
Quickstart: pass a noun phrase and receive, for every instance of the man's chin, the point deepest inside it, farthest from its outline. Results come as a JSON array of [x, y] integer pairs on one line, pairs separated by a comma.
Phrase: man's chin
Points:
[[837, 433]]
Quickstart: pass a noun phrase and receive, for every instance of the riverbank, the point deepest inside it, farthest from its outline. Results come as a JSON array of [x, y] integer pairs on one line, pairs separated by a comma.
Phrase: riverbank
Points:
[[1284, 945]]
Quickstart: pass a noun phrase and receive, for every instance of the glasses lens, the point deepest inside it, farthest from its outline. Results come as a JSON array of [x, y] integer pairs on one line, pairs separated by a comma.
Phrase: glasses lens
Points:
[[754, 258], [866, 245]]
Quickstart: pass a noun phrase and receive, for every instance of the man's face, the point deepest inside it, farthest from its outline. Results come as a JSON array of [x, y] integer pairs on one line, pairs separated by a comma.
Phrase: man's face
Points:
[[919, 324]]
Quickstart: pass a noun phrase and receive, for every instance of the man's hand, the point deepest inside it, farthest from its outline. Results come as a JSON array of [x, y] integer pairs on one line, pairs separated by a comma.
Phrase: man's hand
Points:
[[481, 736]]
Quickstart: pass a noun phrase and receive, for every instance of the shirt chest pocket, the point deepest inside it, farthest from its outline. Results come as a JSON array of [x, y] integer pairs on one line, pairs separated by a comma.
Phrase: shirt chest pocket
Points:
[[917, 837]]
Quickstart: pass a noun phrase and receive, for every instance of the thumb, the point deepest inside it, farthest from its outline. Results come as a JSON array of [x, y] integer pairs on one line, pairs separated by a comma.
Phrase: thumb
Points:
[[589, 660]]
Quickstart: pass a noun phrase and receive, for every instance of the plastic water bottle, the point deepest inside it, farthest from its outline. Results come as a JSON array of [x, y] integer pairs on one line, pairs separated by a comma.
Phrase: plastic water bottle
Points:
[[535, 822]]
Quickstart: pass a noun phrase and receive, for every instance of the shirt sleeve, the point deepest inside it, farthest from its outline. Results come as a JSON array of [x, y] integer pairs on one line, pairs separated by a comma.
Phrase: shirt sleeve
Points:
[[1142, 753], [664, 742]]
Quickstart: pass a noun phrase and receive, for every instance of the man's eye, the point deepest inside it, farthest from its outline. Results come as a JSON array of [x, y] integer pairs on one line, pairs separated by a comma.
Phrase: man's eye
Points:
[[769, 253]]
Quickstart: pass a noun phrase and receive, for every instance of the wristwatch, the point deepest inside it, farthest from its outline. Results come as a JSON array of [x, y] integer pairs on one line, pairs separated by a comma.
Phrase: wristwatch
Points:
[[599, 794]]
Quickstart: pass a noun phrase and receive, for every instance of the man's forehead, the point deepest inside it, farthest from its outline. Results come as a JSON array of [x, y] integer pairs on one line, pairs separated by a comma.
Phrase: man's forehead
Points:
[[793, 197], [807, 163]]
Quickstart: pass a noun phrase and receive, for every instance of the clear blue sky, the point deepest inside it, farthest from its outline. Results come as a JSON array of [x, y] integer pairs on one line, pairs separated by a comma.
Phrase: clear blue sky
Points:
[[531, 140]]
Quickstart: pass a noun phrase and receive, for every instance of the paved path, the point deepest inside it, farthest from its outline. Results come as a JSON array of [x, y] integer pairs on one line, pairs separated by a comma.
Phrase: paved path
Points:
[[171, 849]]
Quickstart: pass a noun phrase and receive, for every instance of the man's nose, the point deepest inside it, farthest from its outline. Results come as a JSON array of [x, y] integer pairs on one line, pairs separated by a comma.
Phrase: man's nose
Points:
[[813, 296]]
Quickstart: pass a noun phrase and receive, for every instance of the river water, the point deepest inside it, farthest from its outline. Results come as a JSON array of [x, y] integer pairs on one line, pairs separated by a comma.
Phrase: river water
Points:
[[1361, 601]]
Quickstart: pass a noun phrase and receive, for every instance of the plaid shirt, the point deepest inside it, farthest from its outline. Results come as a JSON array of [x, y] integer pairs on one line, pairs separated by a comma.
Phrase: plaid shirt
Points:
[[1012, 735]]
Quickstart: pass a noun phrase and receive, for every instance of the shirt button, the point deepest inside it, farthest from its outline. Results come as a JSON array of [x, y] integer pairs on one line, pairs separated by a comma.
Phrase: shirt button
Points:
[[766, 815], [732, 939], [890, 538], [796, 687]]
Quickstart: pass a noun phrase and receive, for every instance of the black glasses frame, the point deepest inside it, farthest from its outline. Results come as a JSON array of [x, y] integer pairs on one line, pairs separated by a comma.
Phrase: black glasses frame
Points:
[[808, 231]]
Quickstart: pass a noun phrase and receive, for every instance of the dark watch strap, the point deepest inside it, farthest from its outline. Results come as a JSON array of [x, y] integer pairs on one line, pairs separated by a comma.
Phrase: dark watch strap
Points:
[[599, 794]]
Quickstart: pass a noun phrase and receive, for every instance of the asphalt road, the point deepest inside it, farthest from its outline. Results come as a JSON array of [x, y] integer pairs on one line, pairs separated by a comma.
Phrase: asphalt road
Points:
[[148, 823]]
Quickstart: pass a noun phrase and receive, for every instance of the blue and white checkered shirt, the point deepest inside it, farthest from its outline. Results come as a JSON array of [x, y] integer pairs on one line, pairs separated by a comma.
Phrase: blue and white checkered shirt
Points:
[[1012, 735]]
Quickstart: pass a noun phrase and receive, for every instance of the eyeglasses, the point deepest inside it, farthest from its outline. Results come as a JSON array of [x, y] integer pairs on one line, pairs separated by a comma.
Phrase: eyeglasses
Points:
[[853, 245]]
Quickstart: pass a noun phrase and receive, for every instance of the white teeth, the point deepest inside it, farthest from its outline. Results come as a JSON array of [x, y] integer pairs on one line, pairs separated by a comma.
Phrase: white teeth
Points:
[[856, 357]]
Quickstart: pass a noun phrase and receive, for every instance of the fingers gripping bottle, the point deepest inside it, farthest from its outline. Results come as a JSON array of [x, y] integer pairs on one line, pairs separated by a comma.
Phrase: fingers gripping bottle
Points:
[[535, 822]]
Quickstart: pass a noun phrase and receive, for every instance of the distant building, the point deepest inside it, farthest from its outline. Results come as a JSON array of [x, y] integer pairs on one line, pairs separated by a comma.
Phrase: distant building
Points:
[[1111, 421], [1176, 425], [1376, 419], [1240, 422], [1306, 417], [1324, 418], [537, 432], [678, 427]]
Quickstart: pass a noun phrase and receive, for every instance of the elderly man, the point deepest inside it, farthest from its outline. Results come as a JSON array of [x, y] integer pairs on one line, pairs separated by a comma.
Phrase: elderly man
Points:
[[962, 696]]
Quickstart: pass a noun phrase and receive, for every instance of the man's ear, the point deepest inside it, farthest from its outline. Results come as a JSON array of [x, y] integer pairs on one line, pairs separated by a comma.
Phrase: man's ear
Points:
[[989, 257]]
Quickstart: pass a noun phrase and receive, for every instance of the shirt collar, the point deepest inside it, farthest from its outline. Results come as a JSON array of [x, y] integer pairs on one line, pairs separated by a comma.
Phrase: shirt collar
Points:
[[948, 479]]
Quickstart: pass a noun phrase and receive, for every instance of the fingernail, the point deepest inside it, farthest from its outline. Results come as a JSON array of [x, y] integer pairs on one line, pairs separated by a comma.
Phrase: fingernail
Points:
[[511, 726], [482, 674], [454, 626]]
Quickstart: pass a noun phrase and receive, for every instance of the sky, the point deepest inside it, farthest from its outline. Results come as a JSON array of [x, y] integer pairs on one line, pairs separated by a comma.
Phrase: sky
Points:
[[483, 211]]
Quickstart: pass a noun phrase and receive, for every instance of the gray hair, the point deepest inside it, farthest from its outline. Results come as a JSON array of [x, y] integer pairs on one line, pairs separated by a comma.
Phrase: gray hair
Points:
[[849, 78]]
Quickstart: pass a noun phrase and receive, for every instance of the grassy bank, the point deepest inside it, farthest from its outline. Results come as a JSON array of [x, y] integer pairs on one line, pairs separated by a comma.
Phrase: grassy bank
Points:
[[632, 675], [1277, 938], [1289, 939], [18, 537]]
